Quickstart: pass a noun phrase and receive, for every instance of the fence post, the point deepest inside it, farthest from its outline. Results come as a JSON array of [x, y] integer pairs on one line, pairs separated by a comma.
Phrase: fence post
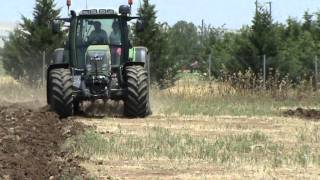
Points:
[[149, 73], [43, 68], [209, 67], [316, 72], [264, 71]]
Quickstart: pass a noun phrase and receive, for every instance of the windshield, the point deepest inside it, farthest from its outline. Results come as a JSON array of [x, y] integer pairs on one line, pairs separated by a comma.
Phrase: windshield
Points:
[[98, 31]]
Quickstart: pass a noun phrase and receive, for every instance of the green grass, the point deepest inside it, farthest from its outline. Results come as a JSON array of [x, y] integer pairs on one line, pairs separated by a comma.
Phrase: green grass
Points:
[[2, 71], [232, 105], [251, 148]]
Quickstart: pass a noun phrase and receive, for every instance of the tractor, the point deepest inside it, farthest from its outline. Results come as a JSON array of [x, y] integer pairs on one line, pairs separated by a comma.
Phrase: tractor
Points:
[[98, 62]]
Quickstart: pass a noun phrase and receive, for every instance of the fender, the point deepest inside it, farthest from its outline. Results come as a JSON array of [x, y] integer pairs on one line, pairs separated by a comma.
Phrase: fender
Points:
[[139, 54], [58, 56]]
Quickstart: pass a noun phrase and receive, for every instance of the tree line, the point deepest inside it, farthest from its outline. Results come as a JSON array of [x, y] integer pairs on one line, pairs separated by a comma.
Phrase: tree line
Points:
[[290, 47]]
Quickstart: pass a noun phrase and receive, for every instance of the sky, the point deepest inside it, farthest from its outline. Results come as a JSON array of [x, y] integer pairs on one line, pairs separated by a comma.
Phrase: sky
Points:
[[233, 14]]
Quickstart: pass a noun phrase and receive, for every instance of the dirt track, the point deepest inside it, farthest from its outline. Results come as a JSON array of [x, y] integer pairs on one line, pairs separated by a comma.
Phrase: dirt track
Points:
[[30, 143]]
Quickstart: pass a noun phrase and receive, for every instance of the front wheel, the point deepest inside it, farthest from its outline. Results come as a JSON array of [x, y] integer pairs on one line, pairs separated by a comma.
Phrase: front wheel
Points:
[[136, 103], [61, 92]]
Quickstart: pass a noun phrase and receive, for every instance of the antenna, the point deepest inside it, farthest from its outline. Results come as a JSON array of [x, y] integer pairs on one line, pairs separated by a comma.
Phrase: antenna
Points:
[[140, 4], [86, 4], [130, 2], [257, 6], [69, 4], [270, 8]]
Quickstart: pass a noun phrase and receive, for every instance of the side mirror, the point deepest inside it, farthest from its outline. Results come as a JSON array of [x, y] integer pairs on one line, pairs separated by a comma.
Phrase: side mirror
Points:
[[124, 9], [140, 26], [56, 27]]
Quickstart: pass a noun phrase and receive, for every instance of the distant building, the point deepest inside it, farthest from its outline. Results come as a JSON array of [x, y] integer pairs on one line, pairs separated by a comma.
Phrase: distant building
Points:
[[5, 29]]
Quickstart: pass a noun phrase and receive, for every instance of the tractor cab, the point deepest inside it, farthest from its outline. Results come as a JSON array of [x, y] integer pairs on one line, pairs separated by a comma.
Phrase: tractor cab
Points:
[[101, 35]]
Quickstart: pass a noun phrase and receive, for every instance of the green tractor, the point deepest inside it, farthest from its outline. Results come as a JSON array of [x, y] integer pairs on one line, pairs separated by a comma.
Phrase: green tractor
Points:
[[99, 62]]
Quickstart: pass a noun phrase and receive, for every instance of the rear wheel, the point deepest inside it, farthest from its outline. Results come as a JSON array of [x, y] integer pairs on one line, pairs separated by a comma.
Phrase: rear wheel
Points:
[[136, 103], [60, 92]]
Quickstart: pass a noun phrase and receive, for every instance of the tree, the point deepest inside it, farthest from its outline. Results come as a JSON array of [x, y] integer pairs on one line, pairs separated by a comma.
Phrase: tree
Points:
[[147, 38], [307, 24], [22, 53], [184, 43], [155, 39], [164, 68], [263, 37], [293, 29], [246, 53]]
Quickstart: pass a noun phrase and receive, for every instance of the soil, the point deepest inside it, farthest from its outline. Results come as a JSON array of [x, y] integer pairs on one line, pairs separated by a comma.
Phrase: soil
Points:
[[313, 114], [102, 109], [30, 142]]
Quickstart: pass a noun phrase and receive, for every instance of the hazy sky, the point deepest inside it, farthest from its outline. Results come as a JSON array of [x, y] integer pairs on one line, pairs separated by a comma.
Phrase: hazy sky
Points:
[[233, 13]]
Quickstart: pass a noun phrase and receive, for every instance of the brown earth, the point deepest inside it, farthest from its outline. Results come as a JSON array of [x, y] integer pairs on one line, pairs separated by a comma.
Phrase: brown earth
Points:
[[313, 114], [30, 143]]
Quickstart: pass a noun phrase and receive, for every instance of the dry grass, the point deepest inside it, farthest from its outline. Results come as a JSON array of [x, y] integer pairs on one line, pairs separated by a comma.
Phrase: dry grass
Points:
[[165, 102], [193, 96], [199, 130], [202, 131], [197, 147], [191, 88], [12, 91]]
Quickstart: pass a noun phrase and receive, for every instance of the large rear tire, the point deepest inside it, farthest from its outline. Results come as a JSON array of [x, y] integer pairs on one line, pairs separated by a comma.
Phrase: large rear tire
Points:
[[61, 92], [136, 103]]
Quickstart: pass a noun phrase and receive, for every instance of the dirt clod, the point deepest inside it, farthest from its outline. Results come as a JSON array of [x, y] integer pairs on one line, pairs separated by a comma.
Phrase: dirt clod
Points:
[[304, 113], [30, 143]]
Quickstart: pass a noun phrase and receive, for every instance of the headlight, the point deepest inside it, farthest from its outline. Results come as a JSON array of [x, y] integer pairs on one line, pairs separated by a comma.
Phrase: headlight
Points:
[[89, 67], [77, 81], [93, 11], [85, 12], [102, 11], [111, 11]]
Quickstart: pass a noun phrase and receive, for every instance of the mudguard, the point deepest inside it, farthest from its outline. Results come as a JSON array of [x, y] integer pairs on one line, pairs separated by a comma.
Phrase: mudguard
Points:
[[139, 54], [58, 55]]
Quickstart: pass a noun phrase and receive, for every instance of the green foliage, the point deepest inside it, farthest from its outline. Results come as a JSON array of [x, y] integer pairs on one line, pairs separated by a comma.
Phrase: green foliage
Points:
[[290, 47], [148, 37], [184, 43], [22, 53], [170, 47], [155, 38], [262, 36]]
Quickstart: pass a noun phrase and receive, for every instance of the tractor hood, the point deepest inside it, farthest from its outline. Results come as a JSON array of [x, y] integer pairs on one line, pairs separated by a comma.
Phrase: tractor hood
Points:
[[98, 60]]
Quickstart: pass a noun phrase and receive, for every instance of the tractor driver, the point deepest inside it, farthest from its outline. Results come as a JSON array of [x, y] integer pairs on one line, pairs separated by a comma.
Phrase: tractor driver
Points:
[[98, 35], [115, 40], [115, 36]]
